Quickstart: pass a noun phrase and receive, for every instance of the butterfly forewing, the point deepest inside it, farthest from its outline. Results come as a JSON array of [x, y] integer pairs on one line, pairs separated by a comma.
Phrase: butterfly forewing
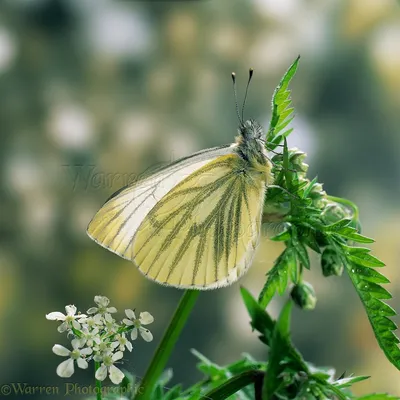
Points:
[[116, 223], [203, 232]]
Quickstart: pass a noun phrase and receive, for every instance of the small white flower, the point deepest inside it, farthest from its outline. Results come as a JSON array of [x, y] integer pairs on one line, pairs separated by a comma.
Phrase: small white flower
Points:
[[145, 318], [101, 348], [102, 308], [92, 321], [115, 374], [121, 342], [110, 325], [89, 337], [66, 368], [68, 319]]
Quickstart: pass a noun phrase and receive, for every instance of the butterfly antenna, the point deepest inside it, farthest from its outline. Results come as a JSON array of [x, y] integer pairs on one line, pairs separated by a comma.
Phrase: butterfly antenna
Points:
[[235, 94], [247, 88]]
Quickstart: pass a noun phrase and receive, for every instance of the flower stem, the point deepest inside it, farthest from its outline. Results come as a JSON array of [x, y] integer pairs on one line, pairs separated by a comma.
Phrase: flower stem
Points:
[[98, 383], [167, 344]]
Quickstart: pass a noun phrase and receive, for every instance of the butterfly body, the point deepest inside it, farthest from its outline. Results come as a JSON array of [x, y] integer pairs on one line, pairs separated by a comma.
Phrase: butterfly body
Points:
[[196, 223]]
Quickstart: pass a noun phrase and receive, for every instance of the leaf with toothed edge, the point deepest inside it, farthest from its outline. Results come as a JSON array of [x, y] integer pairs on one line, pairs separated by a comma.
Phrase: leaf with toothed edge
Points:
[[281, 109]]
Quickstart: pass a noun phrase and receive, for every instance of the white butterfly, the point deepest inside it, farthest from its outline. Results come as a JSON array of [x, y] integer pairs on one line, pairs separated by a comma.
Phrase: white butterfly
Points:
[[196, 223]]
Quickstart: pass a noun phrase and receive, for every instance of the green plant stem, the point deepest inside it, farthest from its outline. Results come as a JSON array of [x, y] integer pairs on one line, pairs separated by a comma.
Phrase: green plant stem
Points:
[[167, 344], [236, 383], [98, 383]]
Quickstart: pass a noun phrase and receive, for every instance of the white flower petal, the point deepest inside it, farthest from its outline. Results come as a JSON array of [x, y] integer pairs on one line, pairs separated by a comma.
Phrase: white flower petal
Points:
[[108, 318], [101, 373], [71, 310], [75, 343], [81, 316], [82, 363], [55, 316], [114, 345], [98, 319], [130, 314], [76, 324], [63, 327], [134, 334], [116, 375], [92, 310], [61, 350], [81, 342], [98, 358], [111, 310], [66, 368], [86, 351], [129, 346], [117, 356], [146, 334], [146, 318], [102, 301], [127, 322]]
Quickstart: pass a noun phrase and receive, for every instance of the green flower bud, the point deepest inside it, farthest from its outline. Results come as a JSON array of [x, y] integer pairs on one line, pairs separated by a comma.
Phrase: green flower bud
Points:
[[296, 157], [318, 196], [304, 296], [330, 262], [333, 212]]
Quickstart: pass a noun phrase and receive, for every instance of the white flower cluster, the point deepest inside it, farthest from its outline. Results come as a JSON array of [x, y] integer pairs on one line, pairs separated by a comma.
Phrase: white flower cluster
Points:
[[98, 337]]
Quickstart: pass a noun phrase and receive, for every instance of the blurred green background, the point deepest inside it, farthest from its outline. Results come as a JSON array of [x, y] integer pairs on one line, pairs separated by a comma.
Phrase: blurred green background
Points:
[[94, 92]]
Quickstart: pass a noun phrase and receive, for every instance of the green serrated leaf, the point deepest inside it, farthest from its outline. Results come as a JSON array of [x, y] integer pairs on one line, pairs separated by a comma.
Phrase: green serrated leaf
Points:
[[326, 386], [301, 252], [281, 110], [279, 350], [310, 239], [365, 259], [370, 274], [285, 266], [349, 381], [337, 226], [378, 312], [260, 320], [351, 234], [282, 236]]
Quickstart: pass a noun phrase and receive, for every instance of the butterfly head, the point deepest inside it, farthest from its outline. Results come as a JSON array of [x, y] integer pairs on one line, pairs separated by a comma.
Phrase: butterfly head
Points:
[[251, 142], [251, 129]]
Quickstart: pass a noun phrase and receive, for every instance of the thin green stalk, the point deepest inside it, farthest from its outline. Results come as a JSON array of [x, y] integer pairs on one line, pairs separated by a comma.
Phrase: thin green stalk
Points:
[[236, 383], [98, 383], [167, 344]]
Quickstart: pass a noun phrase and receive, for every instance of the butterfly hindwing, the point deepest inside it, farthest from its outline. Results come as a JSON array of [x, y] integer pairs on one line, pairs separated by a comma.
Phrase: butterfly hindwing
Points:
[[202, 234]]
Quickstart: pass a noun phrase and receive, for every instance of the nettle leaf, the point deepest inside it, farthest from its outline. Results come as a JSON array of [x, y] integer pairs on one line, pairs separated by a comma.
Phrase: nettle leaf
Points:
[[260, 320], [367, 285], [361, 256], [300, 248], [337, 226], [279, 351], [283, 356], [278, 277], [343, 229], [281, 109], [349, 381]]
